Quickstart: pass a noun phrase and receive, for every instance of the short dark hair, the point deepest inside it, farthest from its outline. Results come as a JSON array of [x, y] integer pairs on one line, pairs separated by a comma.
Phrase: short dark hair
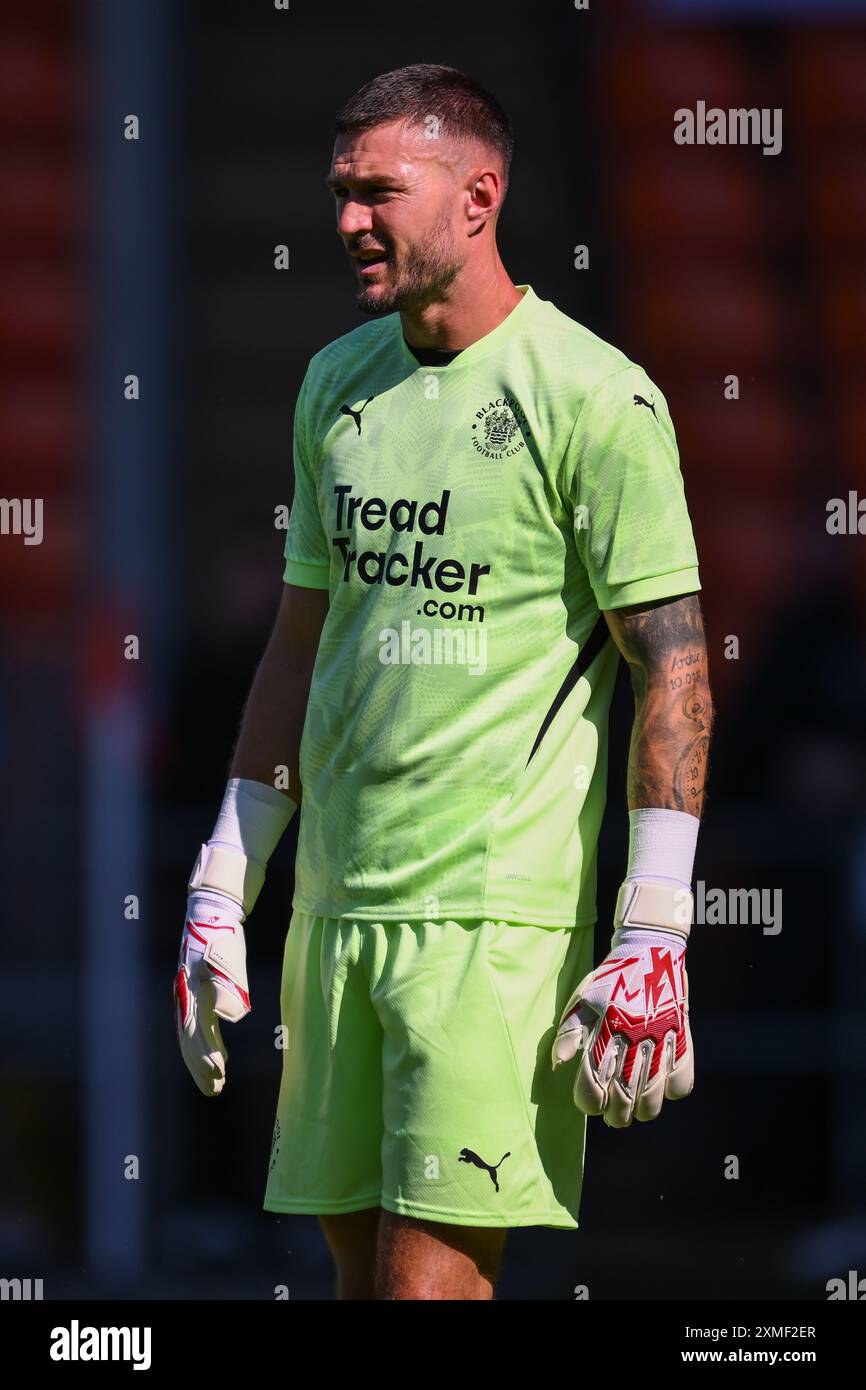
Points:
[[466, 110]]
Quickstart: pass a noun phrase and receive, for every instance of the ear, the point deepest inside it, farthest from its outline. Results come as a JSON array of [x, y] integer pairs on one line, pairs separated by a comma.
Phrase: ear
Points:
[[485, 195]]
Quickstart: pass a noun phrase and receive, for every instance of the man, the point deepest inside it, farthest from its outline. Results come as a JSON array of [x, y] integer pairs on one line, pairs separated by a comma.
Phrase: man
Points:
[[488, 511]]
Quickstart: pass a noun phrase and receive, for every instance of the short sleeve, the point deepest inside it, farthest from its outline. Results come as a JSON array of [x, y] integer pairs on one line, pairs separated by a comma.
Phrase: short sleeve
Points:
[[621, 475], [306, 551]]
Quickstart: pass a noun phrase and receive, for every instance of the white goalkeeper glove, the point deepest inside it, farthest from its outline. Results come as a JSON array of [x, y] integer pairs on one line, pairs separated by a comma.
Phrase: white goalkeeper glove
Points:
[[628, 1020], [211, 983], [211, 979]]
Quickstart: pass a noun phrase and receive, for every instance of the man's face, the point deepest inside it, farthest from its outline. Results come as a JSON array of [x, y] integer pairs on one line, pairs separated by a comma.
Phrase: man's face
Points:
[[398, 199]]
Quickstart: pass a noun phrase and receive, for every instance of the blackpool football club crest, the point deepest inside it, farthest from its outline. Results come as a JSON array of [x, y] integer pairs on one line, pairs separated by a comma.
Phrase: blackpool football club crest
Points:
[[500, 429]]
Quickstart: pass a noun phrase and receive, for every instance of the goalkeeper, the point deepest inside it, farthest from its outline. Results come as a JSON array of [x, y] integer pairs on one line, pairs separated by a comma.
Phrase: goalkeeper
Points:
[[488, 514]]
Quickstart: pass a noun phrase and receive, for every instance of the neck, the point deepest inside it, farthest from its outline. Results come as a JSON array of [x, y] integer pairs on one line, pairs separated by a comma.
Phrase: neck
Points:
[[471, 308]]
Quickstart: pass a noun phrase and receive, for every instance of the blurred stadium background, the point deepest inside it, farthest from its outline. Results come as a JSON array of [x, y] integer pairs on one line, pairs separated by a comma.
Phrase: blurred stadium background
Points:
[[155, 257]]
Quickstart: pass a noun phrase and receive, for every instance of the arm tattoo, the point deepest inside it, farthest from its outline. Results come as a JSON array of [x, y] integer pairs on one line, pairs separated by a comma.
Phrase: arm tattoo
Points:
[[666, 650]]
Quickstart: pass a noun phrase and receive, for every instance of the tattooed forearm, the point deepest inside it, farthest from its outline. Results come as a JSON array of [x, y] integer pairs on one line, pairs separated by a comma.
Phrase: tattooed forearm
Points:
[[666, 651]]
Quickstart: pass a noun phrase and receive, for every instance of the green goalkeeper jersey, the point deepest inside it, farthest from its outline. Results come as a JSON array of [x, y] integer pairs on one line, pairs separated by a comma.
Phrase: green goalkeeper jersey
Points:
[[470, 522]]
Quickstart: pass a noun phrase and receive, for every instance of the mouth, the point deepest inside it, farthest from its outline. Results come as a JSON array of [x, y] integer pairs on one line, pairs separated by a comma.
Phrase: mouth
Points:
[[368, 262]]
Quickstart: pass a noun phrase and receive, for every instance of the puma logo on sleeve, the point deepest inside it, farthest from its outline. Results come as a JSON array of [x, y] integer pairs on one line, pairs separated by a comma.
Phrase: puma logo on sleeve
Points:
[[638, 400]]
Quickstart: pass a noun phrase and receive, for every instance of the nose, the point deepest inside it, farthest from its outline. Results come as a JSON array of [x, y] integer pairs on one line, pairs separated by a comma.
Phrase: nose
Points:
[[353, 219]]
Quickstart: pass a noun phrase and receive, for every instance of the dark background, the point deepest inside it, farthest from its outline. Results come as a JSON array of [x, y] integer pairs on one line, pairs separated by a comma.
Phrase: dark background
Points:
[[156, 257]]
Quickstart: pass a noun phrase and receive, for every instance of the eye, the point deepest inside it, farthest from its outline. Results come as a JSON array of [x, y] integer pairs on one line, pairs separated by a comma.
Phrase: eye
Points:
[[374, 191]]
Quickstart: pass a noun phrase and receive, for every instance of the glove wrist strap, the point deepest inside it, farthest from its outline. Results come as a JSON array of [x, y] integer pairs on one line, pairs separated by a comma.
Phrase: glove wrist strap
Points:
[[227, 871], [644, 904]]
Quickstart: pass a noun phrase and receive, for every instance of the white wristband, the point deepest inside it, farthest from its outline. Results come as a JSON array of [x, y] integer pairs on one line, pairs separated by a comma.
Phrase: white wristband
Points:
[[253, 818], [661, 845], [251, 821]]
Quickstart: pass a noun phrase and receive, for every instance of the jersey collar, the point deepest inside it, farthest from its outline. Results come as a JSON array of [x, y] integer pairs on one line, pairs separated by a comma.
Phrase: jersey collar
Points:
[[491, 342]]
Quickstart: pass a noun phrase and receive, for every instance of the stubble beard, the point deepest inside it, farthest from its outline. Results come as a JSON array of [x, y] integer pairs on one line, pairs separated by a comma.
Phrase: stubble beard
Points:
[[429, 268]]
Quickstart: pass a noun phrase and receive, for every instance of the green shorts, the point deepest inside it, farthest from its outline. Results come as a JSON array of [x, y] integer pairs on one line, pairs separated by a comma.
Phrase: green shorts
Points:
[[416, 1072]]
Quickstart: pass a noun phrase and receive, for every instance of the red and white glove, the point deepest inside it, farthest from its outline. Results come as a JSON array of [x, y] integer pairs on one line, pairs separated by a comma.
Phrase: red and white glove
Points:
[[211, 983], [211, 980], [628, 1019]]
